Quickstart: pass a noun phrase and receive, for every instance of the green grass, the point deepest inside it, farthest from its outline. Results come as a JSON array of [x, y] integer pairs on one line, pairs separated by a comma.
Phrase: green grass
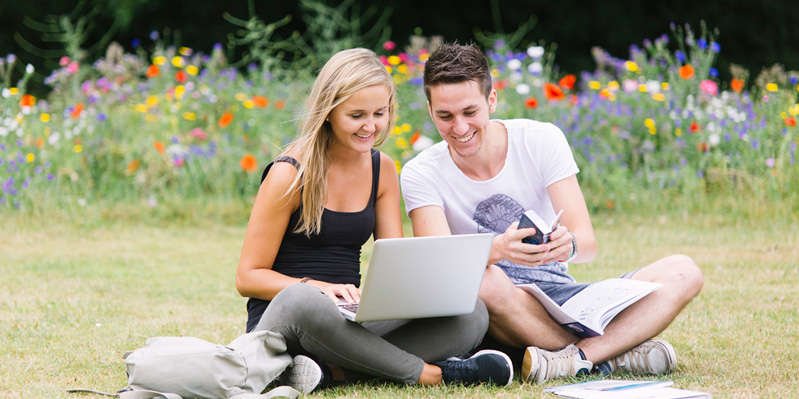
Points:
[[77, 293]]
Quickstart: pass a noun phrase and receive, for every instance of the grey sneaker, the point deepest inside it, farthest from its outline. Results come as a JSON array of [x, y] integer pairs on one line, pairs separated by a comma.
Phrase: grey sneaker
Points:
[[541, 365], [654, 356], [486, 366], [305, 375]]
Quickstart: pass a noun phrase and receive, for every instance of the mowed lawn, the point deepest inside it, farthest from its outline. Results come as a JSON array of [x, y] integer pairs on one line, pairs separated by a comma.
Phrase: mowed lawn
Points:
[[73, 299]]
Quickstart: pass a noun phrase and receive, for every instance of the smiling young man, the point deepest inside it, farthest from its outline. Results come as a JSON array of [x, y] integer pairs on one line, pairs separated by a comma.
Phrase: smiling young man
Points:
[[480, 178]]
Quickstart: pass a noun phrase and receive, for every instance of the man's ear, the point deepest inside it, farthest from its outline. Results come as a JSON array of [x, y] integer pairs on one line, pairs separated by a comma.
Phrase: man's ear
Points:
[[492, 101], [429, 109]]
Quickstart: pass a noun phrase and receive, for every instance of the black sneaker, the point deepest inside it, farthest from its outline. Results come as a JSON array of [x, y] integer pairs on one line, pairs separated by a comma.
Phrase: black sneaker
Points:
[[486, 366]]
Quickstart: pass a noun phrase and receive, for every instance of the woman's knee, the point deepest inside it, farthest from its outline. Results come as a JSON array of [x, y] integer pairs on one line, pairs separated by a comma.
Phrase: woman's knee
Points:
[[298, 302], [496, 288]]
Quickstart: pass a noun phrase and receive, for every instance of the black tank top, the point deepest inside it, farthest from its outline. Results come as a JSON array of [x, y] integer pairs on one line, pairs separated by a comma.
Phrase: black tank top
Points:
[[333, 255]]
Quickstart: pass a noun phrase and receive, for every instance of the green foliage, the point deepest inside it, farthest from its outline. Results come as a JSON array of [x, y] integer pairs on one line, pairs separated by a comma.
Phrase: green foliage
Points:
[[154, 128]]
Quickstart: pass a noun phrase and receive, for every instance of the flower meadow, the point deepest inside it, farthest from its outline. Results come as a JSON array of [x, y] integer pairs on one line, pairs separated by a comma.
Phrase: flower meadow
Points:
[[159, 127]]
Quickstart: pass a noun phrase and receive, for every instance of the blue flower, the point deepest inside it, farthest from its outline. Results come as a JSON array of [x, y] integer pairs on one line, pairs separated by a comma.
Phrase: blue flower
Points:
[[794, 80], [702, 43], [135, 43], [680, 56], [714, 72], [154, 35], [715, 47]]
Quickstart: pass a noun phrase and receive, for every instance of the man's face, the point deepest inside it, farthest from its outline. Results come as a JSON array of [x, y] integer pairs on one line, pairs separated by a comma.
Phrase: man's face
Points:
[[461, 114]]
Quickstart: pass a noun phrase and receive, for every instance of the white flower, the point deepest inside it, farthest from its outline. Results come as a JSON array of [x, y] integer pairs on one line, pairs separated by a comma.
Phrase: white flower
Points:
[[714, 139], [514, 65], [522, 89], [653, 86], [3, 131], [53, 138], [29, 69], [422, 142], [535, 52], [535, 68], [516, 77], [6, 93]]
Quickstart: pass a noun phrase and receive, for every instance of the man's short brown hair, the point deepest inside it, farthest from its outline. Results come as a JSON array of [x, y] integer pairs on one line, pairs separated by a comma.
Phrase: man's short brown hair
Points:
[[455, 63]]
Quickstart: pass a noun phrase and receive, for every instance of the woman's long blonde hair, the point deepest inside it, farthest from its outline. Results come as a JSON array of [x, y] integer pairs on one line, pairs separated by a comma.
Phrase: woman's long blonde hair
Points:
[[346, 73]]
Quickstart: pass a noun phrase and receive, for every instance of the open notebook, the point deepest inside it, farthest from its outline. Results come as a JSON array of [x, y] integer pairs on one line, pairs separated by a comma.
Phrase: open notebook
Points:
[[409, 278]]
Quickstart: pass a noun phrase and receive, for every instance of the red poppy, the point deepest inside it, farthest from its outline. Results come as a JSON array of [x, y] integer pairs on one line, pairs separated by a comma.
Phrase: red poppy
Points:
[[280, 104], [702, 146], [248, 163], [75, 114], [737, 85], [553, 92], [153, 71], [567, 82], [686, 72], [500, 84], [415, 136], [159, 146], [27, 101], [790, 121], [181, 76], [531, 102], [260, 101], [225, 120], [695, 127]]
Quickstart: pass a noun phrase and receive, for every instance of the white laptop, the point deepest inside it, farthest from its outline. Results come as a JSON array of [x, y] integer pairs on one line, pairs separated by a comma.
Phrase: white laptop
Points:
[[417, 277]]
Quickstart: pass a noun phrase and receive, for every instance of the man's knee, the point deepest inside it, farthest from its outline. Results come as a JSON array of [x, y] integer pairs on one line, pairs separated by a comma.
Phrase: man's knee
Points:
[[680, 273]]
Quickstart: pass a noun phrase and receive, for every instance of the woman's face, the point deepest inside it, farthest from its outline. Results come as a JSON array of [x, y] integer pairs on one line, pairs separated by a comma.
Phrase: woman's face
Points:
[[357, 121]]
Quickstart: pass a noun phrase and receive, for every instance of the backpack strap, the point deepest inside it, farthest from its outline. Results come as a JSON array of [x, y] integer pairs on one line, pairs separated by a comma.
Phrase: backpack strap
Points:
[[283, 391]]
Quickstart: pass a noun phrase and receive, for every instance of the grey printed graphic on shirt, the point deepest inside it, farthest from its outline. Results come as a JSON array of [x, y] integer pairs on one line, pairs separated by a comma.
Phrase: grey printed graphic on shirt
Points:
[[494, 215]]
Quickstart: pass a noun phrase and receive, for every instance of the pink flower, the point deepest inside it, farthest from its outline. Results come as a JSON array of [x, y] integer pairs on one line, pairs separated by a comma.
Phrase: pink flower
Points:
[[72, 67], [709, 87], [384, 60], [63, 61], [389, 45], [199, 133]]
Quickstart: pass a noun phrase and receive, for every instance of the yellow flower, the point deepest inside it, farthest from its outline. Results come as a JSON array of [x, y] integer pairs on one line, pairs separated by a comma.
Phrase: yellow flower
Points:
[[189, 116], [150, 118], [249, 104], [397, 131], [594, 85], [664, 86], [389, 69], [44, 118], [403, 69], [241, 97], [613, 85], [658, 97], [160, 60], [495, 73], [642, 88], [30, 157], [140, 108], [152, 100], [794, 110], [631, 66], [185, 51], [424, 57], [649, 122], [678, 132], [178, 61], [13, 90], [401, 143], [192, 70], [394, 60], [179, 90], [78, 148], [398, 165], [652, 130], [397, 79], [406, 127], [772, 87]]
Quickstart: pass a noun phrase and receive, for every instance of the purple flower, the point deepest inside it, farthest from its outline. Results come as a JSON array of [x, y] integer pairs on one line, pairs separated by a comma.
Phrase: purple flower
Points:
[[680, 56], [101, 117], [755, 144], [50, 177], [154, 35], [715, 47], [770, 162], [8, 184], [702, 43]]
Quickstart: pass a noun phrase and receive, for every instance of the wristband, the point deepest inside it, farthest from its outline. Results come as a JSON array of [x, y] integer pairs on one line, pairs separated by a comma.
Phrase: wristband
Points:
[[574, 248], [304, 280]]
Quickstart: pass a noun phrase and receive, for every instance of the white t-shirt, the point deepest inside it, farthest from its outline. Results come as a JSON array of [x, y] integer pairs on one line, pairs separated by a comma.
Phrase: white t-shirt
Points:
[[538, 156]]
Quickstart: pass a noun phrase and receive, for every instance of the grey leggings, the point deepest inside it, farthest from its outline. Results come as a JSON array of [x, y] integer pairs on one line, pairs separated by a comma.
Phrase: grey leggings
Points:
[[312, 323]]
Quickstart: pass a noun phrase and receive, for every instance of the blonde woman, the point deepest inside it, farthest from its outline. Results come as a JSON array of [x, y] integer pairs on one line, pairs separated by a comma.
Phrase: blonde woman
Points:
[[318, 203]]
